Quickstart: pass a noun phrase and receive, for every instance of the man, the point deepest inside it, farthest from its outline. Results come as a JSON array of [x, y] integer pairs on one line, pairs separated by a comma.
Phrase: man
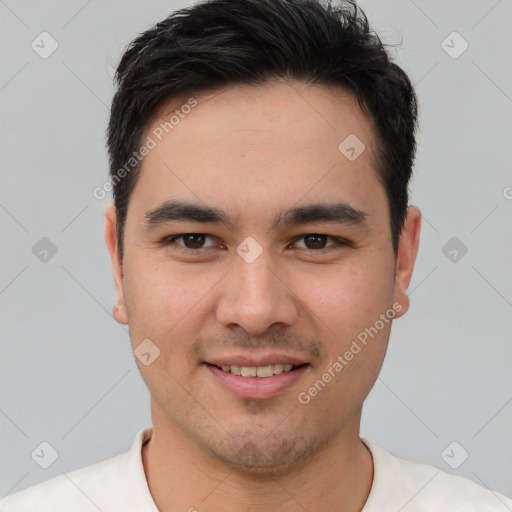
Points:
[[262, 243]]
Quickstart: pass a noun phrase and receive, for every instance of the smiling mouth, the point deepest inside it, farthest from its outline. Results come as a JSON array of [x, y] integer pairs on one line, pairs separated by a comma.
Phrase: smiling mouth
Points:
[[258, 371]]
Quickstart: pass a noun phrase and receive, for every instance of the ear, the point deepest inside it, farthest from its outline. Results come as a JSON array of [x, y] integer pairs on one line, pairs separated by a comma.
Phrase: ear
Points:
[[119, 309], [406, 256]]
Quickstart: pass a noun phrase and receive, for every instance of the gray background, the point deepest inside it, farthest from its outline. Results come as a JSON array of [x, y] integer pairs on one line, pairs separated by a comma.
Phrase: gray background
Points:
[[68, 376]]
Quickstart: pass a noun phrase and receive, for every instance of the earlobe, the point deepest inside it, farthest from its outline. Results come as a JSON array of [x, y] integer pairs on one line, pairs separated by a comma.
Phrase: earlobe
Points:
[[119, 313], [406, 257], [119, 309]]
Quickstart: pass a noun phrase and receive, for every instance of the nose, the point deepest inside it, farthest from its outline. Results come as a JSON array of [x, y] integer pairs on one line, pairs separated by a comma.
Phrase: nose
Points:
[[255, 298]]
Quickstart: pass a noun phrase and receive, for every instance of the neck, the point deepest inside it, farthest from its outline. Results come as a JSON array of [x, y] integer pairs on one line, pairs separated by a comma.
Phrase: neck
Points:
[[182, 475]]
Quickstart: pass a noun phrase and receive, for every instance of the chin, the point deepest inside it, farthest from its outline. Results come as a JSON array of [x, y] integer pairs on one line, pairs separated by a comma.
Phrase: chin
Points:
[[265, 454], [262, 461]]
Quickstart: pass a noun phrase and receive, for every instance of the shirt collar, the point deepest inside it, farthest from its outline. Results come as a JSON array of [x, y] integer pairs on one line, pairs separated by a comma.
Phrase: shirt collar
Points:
[[135, 475]]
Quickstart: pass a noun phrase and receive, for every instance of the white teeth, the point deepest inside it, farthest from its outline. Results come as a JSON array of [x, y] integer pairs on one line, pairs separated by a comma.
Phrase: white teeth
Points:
[[265, 371], [235, 370], [278, 368], [249, 371], [257, 371]]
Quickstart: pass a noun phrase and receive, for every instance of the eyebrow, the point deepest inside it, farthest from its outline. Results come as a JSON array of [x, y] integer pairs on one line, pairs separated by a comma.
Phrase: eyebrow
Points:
[[173, 210]]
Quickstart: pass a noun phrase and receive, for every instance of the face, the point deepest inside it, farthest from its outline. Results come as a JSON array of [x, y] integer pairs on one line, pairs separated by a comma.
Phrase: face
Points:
[[254, 244]]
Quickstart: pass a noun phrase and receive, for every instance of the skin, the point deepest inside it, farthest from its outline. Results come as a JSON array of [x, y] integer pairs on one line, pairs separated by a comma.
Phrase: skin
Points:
[[254, 151]]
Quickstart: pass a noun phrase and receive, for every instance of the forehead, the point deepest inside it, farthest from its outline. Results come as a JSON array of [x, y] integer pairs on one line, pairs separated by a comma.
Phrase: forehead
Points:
[[248, 146]]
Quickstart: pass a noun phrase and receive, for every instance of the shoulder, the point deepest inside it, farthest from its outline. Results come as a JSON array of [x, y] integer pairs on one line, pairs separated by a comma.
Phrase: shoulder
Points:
[[76, 490], [117, 483], [417, 487]]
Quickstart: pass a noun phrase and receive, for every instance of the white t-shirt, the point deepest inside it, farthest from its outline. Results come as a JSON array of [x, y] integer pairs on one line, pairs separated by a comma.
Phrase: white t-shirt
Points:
[[119, 484]]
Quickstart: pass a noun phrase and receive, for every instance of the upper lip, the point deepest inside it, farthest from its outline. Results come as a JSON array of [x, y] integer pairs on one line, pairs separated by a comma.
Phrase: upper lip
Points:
[[255, 360]]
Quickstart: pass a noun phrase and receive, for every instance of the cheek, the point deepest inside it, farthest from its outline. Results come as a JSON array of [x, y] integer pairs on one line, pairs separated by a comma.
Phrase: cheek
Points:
[[150, 299], [166, 302], [156, 293], [349, 297], [355, 338], [162, 307]]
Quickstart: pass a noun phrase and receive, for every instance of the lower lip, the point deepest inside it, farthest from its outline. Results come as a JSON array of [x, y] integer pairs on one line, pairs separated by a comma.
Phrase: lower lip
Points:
[[257, 387]]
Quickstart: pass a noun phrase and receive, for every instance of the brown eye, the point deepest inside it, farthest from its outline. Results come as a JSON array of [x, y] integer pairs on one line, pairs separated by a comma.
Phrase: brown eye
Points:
[[190, 241], [317, 241], [193, 240]]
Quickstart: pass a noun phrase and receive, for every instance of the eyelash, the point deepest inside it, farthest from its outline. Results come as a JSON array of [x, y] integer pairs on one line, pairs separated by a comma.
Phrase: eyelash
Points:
[[339, 242]]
